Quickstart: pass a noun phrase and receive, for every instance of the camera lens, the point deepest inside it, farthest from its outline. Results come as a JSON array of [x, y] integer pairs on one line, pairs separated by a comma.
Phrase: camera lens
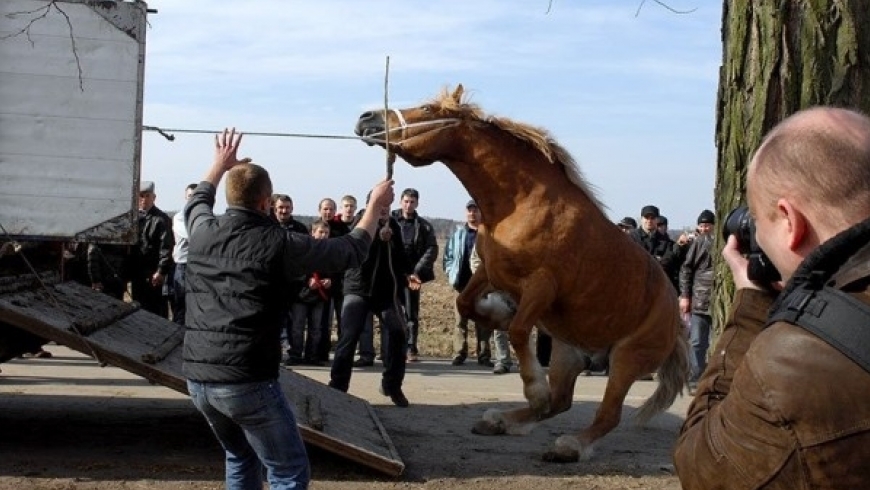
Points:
[[739, 223]]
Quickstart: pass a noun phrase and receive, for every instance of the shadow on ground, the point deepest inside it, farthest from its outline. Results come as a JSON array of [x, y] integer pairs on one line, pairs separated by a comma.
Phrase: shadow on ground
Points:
[[83, 437]]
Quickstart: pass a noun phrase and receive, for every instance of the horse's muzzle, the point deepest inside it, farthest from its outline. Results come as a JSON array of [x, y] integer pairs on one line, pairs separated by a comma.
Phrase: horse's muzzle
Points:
[[370, 123]]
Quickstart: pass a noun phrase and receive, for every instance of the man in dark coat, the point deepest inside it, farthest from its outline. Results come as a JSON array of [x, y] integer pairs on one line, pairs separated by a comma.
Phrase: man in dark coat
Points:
[[373, 288], [151, 258]]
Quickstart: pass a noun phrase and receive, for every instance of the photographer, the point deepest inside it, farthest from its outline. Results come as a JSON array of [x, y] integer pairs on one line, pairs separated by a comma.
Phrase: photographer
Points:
[[778, 406]]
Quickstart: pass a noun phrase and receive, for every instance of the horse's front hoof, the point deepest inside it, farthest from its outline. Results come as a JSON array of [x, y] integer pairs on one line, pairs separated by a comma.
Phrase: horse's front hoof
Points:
[[492, 424], [487, 428]]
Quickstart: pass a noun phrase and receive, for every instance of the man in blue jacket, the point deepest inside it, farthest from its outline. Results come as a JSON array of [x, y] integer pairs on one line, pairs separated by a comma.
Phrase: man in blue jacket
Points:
[[456, 264]]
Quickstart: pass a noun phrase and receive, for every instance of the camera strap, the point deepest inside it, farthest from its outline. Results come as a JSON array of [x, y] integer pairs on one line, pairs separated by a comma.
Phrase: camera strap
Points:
[[832, 315]]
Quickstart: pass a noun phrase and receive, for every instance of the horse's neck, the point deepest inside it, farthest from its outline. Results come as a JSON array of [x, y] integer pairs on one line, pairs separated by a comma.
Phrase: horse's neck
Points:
[[501, 188]]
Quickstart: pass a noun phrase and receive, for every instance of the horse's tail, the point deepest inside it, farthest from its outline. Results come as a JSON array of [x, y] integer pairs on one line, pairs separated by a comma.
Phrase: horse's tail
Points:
[[672, 376]]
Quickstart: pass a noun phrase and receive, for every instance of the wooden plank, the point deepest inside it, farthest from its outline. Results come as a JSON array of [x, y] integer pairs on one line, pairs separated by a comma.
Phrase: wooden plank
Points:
[[337, 422], [165, 348], [350, 426]]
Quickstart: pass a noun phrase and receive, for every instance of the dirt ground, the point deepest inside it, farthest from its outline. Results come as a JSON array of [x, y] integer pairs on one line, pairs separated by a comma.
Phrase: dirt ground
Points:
[[66, 423]]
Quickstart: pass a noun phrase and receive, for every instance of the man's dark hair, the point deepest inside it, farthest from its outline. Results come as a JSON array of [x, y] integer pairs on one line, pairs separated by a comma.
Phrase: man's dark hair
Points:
[[410, 192], [280, 197], [190, 187]]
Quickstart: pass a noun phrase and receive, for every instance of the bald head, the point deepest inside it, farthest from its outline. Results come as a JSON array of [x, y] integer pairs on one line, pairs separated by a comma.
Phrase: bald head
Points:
[[820, 158]]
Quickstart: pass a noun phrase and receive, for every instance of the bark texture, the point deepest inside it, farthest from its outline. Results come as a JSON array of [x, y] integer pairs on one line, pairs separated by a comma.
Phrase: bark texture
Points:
[[779, 57]]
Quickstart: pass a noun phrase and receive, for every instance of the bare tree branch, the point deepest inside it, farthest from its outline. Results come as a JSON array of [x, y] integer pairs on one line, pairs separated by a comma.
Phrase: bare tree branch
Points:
[[26, 29], [39, 14], [666, 6]]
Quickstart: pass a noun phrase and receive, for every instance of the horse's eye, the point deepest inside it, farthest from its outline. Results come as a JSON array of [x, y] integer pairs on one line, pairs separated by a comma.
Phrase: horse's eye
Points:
[[427, 109]]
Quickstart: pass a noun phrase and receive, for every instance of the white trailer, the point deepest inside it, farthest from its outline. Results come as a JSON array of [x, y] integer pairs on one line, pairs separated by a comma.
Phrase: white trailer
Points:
[[70, 118]]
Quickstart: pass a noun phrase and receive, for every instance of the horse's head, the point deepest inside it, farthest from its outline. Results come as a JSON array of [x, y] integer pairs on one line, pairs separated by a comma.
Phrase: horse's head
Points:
[[420, 135]]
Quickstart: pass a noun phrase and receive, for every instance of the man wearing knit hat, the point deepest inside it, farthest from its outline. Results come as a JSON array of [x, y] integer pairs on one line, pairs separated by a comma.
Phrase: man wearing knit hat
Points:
[[696, 284]]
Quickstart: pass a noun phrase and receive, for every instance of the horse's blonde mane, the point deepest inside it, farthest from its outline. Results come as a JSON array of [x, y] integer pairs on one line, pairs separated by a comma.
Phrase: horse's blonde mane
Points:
[[538, 138]]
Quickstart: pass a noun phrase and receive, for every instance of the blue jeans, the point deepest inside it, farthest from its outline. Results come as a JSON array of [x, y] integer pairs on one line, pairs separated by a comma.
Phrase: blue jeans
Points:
[[353, 317], [699, 342], [256, 427]]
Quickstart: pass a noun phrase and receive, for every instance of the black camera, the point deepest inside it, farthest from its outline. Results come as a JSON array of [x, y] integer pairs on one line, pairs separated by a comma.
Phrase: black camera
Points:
[[740, 224]]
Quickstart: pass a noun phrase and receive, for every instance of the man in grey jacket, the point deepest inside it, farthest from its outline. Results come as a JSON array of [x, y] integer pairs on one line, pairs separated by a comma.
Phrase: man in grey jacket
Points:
[[696, 284]]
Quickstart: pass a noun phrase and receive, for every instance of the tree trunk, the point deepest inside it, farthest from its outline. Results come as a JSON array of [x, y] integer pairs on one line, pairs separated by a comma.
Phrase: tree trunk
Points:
[[779, 57]]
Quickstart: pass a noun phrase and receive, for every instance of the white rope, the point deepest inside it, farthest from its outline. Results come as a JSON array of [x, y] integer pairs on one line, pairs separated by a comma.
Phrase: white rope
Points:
[[375, 137]]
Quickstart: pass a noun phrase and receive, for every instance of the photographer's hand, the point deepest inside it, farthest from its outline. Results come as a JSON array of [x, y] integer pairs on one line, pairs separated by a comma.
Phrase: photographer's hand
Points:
[[738, 264]]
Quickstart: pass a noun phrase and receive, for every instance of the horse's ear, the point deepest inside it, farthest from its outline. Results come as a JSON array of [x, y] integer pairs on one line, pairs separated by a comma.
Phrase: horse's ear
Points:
[[457, 94]]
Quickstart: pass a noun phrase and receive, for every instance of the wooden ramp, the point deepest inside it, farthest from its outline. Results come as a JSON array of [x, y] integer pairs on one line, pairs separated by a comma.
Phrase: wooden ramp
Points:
[[120, 334]]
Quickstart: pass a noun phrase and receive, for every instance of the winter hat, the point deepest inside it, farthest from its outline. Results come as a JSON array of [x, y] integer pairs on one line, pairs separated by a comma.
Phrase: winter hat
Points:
[[706, 216], [628, 222], [649, 210]]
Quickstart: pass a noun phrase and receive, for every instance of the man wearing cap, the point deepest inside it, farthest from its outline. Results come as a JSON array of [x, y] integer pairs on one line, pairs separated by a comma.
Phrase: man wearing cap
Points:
[[457, 266], [696, 285], [627, 224], [648, 237], [151, 258]]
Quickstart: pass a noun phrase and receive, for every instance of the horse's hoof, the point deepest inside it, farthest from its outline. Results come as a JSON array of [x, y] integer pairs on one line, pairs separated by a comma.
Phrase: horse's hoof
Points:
[[568, 449], [487, 428], [492, 424]]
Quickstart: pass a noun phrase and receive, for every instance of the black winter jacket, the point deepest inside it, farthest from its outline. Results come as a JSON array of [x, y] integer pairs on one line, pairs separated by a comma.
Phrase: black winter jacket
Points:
[[384, 271], [153, 252], [240, 269], [424, 249], [662, 248]]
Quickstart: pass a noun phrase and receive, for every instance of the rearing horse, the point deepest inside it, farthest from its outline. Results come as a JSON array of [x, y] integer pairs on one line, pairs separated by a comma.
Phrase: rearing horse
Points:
[[547, 243]]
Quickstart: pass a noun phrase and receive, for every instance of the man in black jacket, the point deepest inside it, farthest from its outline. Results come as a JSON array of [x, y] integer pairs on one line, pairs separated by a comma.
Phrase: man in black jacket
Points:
[[240, 268], [151, 258], [421, 249], [374, 288], [648, 236]]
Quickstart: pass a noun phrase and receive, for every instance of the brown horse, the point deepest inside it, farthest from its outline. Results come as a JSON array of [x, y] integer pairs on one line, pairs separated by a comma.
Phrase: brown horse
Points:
[[548, 244]]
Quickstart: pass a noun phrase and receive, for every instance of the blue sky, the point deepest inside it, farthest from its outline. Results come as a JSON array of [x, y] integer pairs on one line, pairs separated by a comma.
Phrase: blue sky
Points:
[[631, 97]]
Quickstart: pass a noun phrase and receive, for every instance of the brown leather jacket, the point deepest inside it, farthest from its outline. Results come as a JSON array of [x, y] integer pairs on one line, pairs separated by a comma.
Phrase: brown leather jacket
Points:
[[777, 407]]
